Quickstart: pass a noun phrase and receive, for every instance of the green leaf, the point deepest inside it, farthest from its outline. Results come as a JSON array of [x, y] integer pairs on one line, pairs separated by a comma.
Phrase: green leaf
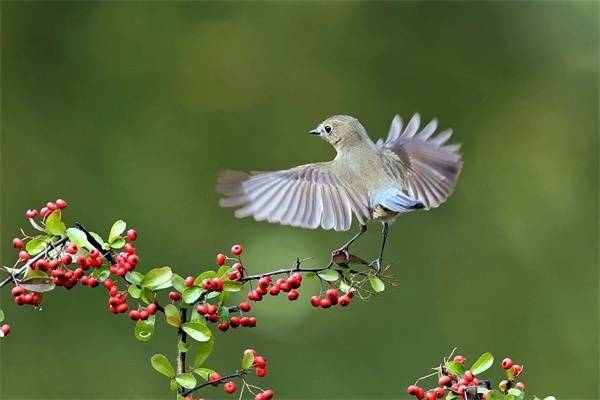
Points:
[[116, 231], [483, 363], [78, 237], [452, 396], [1, 315], [203, 351], [117, 243], [186, 380], [247, 360], [36, 246], [162, 364], [191, 294], [173, 385], [99, 240], [376, 283], [54, 225], [232, 286], [515, 392], [147, 296], [101, 273], [172, 315], [203, 373], [223, 314], [223, 270], [183, 347], [311, 275], [144, 330], [37, 281], [156, 277], [197, 330], [135, 291], [510, 397], [494, 395], [203, 276], [329, 275], [134, 277], [455, 368], [510, 374], [178, 283]]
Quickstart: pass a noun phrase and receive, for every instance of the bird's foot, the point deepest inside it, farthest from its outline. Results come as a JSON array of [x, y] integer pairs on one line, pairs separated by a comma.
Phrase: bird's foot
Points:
[[376, 265]]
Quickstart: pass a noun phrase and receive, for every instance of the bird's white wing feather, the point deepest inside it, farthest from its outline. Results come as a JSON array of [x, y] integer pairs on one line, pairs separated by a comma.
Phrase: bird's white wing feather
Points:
[[307, 196], [426, 166]]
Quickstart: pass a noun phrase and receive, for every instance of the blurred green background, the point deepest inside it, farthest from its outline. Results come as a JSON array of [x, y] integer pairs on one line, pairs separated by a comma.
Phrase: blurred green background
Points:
[[130, 110]]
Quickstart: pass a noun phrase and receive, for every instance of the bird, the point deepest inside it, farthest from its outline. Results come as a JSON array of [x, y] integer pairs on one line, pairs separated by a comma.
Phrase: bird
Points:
[[413, 169]]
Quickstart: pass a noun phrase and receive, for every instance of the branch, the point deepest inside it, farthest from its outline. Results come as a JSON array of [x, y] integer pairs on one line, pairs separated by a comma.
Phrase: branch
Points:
[[237, 374], [32, 260], [182, 336]]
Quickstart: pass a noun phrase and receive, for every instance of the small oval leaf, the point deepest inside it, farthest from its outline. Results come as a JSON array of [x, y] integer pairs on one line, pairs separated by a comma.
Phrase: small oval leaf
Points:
[[156, 277], [186, 380], [162, 364], [197, 330], [329, 275], [376, 283]]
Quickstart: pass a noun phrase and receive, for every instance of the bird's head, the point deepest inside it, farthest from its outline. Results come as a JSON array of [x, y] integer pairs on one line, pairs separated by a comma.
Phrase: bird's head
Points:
[[341, 131]]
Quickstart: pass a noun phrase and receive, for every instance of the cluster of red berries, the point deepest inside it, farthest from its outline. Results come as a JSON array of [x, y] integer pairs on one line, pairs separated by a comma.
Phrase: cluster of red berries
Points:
[[126, 260], [243, 321], [69, 278], [143, 313], [289, 286], [23, 296], [460, 385], [117, 302], [46, 210], [331, 298], [236, 251]]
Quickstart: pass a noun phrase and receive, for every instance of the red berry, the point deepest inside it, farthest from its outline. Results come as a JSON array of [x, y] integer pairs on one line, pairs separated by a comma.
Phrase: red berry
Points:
[[17, 291], [234, 276], [444, 380], [439, 392], [234, 321], [517, 369], [267, 394], [293, 295], [461, 389], [412, 390], [189, 281], [344, 301], [61, 204], [5, 329], [229, 387], [259, 362], [144, 315], [108, 284], [332, 295], [325, 303], [122, 308], [71, 248], [94, 253], [468, 376], [245, 306], [430, 396], [221, 258], [520, 386], [212, 309], [17, 243], [264, 282], [31, 213], [315, 301], [202, 309], [237, 250], [152, 307], [245, 321], [507, 363], [261, 372], [223, 326], [23, 255], [175, 296], [51, 206], [252, 322], [132, 235], [460, 359], [214, 377], [134, 315], [44, 212], [274, 291]]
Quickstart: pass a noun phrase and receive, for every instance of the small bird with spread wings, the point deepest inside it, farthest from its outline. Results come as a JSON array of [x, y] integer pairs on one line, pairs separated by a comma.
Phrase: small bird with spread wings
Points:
[[413, 169]]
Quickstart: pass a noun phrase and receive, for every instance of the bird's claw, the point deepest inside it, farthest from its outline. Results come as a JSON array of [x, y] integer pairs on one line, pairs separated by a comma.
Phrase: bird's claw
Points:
[[376, 265]]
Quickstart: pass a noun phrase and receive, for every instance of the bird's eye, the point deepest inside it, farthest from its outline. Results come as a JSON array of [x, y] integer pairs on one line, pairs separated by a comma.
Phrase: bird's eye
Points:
[[328, 128]]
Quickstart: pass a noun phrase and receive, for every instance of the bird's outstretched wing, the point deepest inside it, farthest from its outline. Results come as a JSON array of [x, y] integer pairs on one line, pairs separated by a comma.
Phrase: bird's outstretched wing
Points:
[[426, 166], [308, 196]]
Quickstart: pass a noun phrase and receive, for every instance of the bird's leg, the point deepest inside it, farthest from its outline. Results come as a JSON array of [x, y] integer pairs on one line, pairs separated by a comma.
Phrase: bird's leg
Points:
[[345, 246], [377, 263]]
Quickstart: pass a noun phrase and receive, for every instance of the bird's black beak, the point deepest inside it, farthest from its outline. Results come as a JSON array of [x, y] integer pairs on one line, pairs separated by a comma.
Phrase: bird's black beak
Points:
[[315, 132]]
